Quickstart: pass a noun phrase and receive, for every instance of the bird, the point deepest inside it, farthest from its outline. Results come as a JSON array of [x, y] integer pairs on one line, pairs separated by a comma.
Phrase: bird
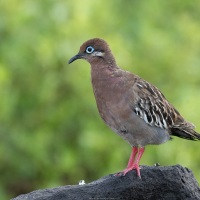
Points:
[[132, 107]]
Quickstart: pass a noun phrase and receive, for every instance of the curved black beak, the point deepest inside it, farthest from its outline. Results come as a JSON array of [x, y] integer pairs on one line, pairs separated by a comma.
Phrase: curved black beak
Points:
[[78, 56]]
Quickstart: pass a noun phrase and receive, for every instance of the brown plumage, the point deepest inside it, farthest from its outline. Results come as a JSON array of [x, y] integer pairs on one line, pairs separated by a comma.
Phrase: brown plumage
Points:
[[129, 105]]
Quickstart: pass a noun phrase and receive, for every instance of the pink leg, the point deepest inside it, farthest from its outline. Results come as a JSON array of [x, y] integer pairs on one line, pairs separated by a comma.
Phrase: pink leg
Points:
[[131, 159], [134, 164]]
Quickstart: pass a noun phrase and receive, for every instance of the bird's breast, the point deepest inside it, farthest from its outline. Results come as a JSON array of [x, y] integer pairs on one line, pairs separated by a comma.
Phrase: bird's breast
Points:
[[111, 101]]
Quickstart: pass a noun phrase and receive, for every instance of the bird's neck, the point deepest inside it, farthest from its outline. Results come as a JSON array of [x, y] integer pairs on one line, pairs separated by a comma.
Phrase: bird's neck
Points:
[[102, 71], [103, 66]]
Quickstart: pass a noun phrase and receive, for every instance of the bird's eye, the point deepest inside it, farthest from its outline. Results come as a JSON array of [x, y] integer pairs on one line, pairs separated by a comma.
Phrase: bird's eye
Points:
[[89, 49]]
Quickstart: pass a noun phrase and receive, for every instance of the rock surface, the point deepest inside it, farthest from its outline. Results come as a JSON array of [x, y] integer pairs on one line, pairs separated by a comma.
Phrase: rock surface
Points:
[[173, 182]]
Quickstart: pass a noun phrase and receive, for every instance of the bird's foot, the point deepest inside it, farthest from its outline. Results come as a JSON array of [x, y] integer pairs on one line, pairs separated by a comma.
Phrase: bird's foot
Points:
[[128, 169], [133, 162]]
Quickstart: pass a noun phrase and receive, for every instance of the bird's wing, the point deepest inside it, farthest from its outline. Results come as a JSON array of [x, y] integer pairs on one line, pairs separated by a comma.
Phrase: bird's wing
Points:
[[154, 109]]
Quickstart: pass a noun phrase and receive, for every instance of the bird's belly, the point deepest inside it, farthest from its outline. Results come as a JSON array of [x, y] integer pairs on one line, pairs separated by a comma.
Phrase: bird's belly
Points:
[[138, 133], [130, 127]]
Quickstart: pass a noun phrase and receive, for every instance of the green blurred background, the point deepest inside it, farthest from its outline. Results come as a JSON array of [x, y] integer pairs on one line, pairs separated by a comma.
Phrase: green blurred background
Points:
[[50, 131]]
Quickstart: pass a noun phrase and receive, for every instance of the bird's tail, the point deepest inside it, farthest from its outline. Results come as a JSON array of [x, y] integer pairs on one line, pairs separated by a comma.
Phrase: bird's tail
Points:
[[186, 133]]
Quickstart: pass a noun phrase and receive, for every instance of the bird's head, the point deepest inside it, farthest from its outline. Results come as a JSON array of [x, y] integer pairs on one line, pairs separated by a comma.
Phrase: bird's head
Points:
[[94, 51]]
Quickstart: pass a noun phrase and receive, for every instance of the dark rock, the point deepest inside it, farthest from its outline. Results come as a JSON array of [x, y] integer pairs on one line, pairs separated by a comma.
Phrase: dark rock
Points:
[[173, 182]]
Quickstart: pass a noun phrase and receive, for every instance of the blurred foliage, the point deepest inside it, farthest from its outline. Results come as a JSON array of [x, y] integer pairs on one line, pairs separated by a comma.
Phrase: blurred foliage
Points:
[[50, 131]]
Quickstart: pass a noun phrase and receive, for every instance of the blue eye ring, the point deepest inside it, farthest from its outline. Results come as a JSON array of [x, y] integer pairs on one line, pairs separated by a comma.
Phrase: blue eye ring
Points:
[[89, 49]]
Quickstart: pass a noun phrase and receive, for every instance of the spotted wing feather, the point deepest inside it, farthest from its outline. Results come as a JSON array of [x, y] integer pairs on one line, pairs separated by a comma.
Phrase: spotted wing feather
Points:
[[155, 110]]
